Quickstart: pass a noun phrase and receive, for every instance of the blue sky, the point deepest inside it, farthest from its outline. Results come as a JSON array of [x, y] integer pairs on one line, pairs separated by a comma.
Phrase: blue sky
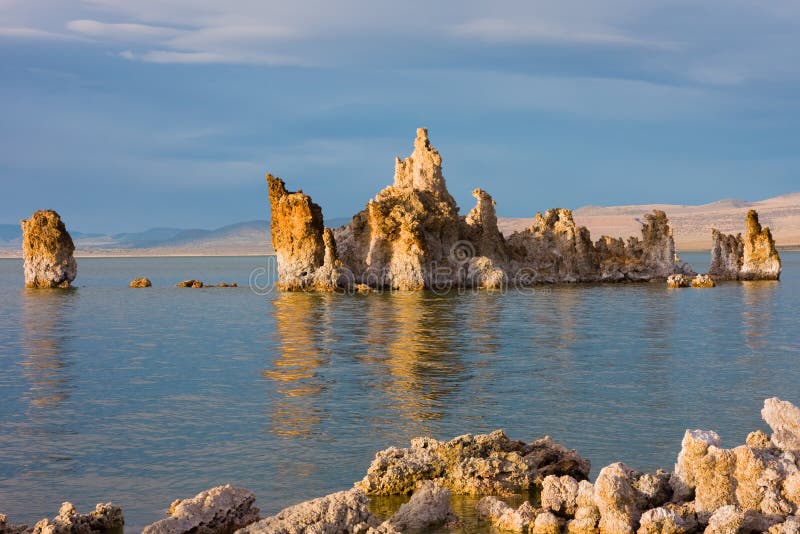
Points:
[[124, 115]]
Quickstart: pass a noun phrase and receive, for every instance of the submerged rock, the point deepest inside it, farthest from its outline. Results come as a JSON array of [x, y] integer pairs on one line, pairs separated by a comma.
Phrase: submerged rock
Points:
[[219, 510], [344, 512], [703, 280], [141, 282], [190, 283], [471, 465], [410, 237], [47, 249], [749, 257], [429, 506], [226, 284], [105, 518]]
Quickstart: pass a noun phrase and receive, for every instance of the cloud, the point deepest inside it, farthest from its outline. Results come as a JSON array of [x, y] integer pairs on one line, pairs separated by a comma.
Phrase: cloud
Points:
[[510, 31], [122, 31], [199, 58], [35, 33]]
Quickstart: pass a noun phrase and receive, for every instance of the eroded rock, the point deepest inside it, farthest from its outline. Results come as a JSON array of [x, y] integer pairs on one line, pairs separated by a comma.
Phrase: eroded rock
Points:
[[678, 280], [47, 249], [141, 282], [196, 284], [219, 510], [410, 237], [749, 257], [105, 518], [473, 465], [703, 280], [344, 512], [428, 506], [505, 517], [783, 417]]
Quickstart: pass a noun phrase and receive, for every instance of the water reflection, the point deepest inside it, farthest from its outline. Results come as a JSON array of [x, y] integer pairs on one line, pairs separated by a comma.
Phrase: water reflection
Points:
[[46, 332], [756, 316], [303, 328]]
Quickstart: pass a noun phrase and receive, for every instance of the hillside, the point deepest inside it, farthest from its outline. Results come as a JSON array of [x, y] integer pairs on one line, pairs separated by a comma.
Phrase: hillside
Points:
[[691, 226]]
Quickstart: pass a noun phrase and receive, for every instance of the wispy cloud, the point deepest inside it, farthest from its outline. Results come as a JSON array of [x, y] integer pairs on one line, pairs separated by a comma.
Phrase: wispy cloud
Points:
[[122, 31], [511, 31], [197, 58], [36, 33]]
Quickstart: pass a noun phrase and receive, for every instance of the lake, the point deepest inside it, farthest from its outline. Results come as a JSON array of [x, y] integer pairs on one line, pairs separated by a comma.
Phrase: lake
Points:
[[142, 396]]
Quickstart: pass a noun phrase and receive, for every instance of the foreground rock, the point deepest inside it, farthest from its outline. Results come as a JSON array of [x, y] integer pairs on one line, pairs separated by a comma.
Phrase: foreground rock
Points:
[[219, 510], [703, 280], [47, 249], [472, 465], [749, 257], [104, 519], [410, 237], [428, 506], [141, 282], [678, 280], [342, 512]]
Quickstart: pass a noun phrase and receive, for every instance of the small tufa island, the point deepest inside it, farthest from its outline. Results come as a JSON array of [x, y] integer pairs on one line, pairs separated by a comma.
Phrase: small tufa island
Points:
[[47, 249], [411, 237]]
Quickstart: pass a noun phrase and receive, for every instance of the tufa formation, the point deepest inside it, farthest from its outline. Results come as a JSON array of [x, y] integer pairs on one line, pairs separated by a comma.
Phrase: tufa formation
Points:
[[752, 257], [411, 237], [47, 249]]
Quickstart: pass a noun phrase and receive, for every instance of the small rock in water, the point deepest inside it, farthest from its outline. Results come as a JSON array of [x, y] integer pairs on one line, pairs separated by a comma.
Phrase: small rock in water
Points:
[[679, 280], [141, 282], [471, 465], [225, 284], [47, 249], [190, 283], [103, 519], [217, 510], [703, 280]]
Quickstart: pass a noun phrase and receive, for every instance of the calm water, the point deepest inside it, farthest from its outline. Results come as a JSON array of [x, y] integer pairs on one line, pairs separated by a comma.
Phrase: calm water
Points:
[[143, 396]]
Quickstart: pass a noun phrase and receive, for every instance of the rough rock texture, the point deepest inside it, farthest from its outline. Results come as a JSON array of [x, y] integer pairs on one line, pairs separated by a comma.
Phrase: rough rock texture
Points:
[[47, 249], [472, 465], [344, 512], [429, 506], [7, 528], [504, 517], [749, 257], [141, 282], [622, 493], [678, 280], [103, 519], [783, 417], [703, 280], [219, 510], [305, 249], [410, 236], [190, 283]]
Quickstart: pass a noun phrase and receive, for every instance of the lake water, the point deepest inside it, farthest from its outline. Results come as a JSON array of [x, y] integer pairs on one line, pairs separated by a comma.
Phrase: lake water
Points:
[[141, 396]]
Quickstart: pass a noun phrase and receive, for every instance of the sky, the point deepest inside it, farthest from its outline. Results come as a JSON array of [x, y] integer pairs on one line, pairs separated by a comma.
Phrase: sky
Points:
[[124, 115]]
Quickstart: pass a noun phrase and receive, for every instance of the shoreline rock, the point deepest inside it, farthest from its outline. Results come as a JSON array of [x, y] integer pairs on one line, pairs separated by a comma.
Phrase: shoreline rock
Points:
[[47, 250], [411, 237], [222, 509]]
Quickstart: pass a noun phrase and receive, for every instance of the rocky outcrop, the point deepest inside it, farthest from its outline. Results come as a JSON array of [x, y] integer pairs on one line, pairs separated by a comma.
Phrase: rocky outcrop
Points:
[[703, 280], [410, 237], [472, 465], [678, 280], [47, 249], [749, 257], [104, 519], [506, 518], [141, 282], [219, 510], [344, 512], [429, 506], [196, 284]]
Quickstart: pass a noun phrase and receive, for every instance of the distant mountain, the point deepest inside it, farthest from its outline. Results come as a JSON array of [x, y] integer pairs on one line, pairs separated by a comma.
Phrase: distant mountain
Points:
[[691, 226]]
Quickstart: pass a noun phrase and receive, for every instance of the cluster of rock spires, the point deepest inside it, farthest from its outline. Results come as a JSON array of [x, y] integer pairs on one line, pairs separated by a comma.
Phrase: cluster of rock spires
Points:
[[752, 257], [410, 236], [754, 487]]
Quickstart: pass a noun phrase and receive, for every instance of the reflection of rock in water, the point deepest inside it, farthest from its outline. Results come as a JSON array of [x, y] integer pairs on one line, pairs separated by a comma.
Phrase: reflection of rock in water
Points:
[[756, 317], [415, 342], [46, 331], [302, 324]]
